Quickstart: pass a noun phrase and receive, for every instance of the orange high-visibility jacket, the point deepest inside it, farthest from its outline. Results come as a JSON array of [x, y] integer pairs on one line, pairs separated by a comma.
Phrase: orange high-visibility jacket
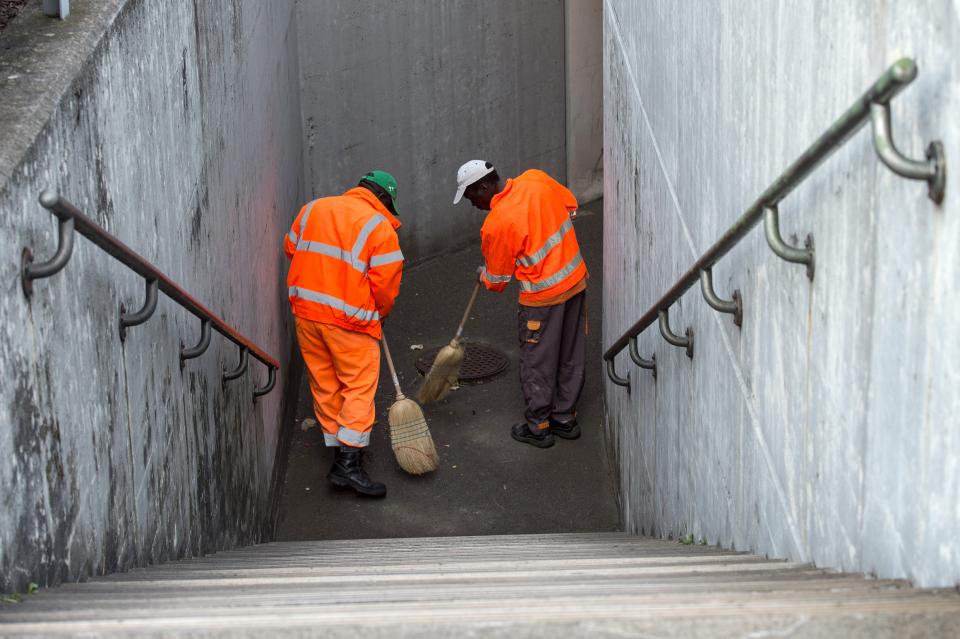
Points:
[[529, 233], [346, 261]]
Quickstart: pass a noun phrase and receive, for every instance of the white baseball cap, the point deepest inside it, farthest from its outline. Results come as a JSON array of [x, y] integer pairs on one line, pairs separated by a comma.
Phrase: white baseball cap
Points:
[[469, 173]]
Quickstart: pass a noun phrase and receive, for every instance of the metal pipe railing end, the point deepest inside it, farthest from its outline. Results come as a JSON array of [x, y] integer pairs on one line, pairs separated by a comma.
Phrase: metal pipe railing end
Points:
[[49, 198], [904, 70]]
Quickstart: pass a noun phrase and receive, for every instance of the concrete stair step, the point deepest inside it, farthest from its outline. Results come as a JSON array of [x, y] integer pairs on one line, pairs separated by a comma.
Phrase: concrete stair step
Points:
[[487, 610], [332, 593], [359, 552], [530, 582], [448, 572], [183, 570], [487, 540], [464, 587]]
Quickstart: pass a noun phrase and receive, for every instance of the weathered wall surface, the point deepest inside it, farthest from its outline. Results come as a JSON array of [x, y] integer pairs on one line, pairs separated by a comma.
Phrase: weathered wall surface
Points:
[[417, 87], [827, 428], [180, 133], [583, 20]]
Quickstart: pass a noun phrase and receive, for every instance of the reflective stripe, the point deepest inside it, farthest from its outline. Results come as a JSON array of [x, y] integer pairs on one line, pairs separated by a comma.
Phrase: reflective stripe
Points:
[[552, 241], [292, 236], [353, 257], [333, 302], [556, 278], [330, 440], [333, 251], [496, 279], [303, 220], [386, 258], [352, 437], [365, 232]]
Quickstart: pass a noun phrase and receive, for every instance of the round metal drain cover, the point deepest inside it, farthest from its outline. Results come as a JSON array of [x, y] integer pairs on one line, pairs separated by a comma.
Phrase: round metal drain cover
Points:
[[481, 362]]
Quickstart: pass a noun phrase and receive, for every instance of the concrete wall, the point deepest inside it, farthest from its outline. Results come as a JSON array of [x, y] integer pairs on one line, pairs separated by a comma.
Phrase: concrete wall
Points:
[[584, 55], [417, 87], [827, 428], [177, 127]]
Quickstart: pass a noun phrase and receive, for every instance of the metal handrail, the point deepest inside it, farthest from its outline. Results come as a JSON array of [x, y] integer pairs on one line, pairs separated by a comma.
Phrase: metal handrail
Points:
[[872, 105], [71, 218]]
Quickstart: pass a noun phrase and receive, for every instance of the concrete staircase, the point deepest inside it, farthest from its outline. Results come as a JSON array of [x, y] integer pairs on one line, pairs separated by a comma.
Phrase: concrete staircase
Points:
[[590, 585]]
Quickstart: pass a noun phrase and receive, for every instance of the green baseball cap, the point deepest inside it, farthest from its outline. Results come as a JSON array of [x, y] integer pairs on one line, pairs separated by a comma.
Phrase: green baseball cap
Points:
[[386, 181]]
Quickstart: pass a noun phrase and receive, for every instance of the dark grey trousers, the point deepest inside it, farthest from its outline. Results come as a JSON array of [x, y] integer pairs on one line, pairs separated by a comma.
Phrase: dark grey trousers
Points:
[[552, 359]]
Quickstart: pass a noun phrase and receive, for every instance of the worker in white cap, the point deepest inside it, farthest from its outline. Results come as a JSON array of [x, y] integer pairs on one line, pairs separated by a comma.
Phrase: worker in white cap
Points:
[[528, 234]]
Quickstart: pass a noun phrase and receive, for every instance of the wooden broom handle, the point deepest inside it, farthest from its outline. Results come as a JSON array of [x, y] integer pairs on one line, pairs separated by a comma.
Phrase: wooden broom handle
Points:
[[466, 313], [393, 371]]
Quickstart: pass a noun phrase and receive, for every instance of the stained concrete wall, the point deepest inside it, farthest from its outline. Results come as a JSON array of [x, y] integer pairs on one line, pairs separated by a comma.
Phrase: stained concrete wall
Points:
[[417, 87], [827, 428], [583, 21], [177, 127]]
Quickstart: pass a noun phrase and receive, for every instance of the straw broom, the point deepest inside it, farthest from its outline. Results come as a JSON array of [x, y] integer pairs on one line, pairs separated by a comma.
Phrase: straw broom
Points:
[[445, 371], [409, 435]]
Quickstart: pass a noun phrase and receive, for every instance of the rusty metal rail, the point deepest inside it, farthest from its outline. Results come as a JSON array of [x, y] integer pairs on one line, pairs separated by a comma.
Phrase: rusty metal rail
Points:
[[72, 219], [874, 105]]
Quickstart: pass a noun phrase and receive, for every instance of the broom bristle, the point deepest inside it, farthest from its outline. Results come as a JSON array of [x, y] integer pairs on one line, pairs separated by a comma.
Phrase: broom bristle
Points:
[[410, 437], [443, 375]]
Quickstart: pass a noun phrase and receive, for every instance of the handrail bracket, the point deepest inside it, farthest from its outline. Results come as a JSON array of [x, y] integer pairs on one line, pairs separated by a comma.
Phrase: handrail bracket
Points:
[[200, 348], [141, 316], [616, 379], [933, 171], [649, 364], [681, 341], [733, 307], [263, 390], [239, 370], [30, 271], [771, 227]]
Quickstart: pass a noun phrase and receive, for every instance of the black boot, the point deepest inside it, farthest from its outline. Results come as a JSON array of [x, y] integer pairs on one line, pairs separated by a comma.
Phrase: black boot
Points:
[[347, 472], [540, 438], [567, 430]]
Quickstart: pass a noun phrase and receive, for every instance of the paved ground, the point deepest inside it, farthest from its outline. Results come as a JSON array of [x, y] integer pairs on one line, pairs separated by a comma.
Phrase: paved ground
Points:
[[9, 10], [486, 483]]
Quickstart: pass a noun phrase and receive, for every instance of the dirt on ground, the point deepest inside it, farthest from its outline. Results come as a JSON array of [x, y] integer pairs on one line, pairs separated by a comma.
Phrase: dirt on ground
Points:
[[9, 10]]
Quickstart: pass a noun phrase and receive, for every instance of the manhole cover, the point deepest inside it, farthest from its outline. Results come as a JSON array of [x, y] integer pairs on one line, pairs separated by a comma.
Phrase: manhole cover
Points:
[[480, 362]]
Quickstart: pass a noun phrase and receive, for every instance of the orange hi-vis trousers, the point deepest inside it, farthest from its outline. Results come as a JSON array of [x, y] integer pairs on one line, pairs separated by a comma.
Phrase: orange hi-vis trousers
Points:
[[344, 368]]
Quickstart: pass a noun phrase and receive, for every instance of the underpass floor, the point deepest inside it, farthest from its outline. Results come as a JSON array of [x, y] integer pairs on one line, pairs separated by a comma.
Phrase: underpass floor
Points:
[[486, 483]]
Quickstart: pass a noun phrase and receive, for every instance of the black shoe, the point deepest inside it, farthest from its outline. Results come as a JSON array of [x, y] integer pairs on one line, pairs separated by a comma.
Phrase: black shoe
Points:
[[347, 472], [540, 439], [566, 430]]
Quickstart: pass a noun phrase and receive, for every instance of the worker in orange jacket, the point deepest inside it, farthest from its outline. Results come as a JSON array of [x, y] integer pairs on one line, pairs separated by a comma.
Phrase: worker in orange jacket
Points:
[[528, 234], [344, 276]]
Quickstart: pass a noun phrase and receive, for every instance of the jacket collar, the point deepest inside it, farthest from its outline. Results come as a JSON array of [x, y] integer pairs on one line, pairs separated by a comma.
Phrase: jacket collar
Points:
[[371, 199], [502, 194]]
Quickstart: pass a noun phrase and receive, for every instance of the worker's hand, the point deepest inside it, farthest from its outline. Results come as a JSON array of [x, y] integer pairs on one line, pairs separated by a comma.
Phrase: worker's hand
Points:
[[480, 270]]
